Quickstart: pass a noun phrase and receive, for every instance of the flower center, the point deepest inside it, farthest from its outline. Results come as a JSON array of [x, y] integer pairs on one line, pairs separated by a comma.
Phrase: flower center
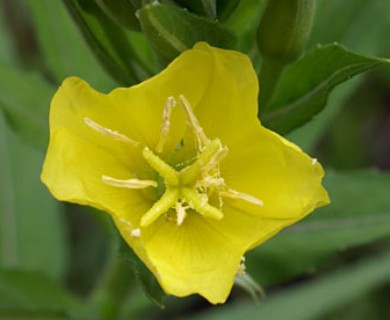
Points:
[[189, 187], [181, 187]]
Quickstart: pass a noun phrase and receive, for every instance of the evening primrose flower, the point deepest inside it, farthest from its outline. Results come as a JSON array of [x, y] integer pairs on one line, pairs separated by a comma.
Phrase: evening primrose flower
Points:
[[183, 166]]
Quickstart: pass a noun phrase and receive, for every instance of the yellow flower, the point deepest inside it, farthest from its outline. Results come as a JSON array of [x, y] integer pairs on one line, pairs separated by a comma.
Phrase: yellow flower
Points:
[[183, 166]]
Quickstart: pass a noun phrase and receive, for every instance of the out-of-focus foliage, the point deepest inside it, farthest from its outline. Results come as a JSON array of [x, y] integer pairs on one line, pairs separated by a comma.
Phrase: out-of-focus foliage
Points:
[[61, 262]]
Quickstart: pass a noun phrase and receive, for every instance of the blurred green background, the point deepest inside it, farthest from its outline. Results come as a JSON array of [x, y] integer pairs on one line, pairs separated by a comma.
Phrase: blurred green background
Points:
[[60, 261]]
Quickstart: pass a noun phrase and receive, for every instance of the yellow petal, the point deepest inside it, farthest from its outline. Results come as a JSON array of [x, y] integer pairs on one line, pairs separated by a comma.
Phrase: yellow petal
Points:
[[270, 168], [229, 102], [192, 258], [187, 75], [78, 155]]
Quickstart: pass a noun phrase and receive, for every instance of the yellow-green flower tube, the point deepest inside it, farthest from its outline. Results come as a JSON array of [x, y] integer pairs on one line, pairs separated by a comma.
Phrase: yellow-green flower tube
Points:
[[182, 164]]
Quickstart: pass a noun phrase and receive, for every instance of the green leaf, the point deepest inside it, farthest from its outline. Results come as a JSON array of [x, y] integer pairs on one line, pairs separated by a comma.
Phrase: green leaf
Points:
[[108, 41], [25, 99], [345, 29], [122, 12], [305, 85], [172, 30], [7, 53], [32, 234], [316, 298], [149, 283], [358, 214], [30, 294], [356, 20], [65, 51], [308, 136]]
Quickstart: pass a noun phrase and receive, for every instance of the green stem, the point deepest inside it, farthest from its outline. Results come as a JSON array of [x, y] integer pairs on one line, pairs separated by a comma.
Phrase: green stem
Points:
[[270, 72], [116, 283]]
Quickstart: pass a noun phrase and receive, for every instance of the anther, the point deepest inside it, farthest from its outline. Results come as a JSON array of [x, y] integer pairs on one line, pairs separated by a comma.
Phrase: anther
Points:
[[111, 133], [136, 233], [230, 193], [129, 183], [166, 123], [198, 131], [181, 212]]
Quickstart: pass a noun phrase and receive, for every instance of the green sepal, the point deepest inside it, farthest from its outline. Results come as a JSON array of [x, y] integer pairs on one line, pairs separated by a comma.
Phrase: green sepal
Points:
[[122, 12], [305, 85], [172, 30], [145, 277]]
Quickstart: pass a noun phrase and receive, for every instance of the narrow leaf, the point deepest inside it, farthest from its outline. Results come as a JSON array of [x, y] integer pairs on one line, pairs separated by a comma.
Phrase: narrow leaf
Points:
[[225, 8], [122, 12], [33, 292], [63, 47], [108, 41], [316, 299], [25, 99], [305, 85], [206, 8], [172, 30], [358, 214], [32, 235]]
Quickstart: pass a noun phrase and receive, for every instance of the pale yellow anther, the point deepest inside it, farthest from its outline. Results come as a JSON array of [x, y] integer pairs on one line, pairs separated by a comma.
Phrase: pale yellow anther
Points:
[[198, 131], [216, 159], [165, 124], [136, 233], [129, 183], [167, 201], [181, 212], [111, 133], [164, 170], [230, 193]]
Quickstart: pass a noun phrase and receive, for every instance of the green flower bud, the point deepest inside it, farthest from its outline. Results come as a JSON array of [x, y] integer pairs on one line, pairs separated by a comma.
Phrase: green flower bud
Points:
[[285, 28]]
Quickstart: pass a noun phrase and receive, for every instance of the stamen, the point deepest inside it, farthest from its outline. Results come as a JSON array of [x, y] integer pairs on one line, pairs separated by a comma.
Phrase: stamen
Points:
[[136, 233], [216, 159], [111, 133], [210, 181], [241, 267], [314, 161], [130, 183], [243, 196], [166, 123], [201, 137], [181, 212]]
